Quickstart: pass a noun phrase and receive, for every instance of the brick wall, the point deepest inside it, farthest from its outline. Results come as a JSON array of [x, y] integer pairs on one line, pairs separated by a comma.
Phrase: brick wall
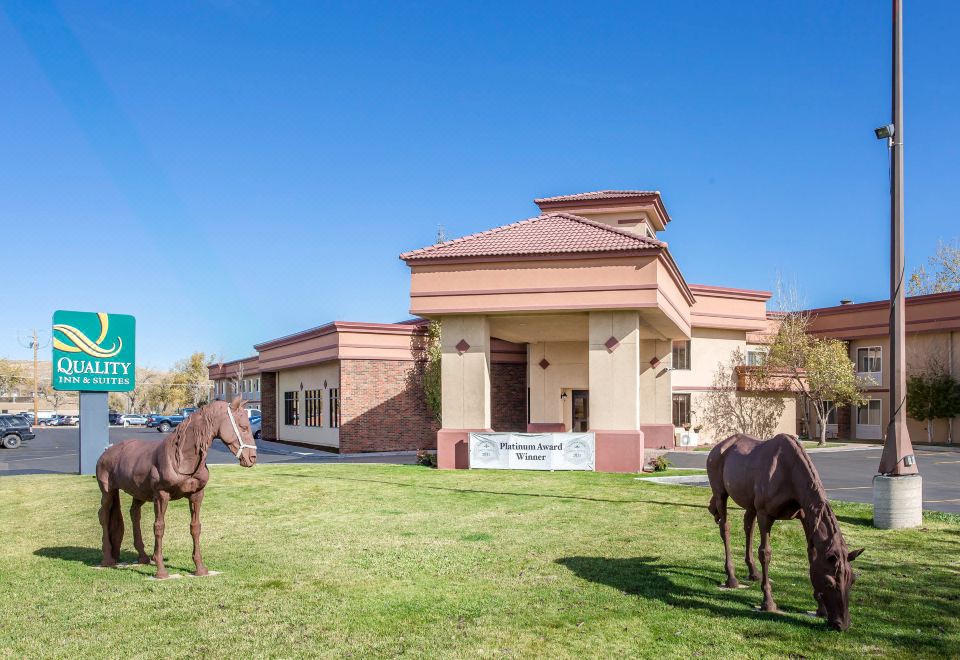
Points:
[[508, 397], [382, 407], [268, 405]]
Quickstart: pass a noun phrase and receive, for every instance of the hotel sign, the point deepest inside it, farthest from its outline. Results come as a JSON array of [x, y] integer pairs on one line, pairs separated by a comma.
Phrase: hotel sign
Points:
[[93, 352], [532, 451]]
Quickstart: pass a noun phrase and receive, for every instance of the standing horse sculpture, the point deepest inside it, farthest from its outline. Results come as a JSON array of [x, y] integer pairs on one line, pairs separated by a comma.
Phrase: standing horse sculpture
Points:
[[775, 480], [171, 469]]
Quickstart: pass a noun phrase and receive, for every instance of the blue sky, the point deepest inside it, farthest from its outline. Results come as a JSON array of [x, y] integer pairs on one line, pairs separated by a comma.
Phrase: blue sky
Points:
[[230, 172]]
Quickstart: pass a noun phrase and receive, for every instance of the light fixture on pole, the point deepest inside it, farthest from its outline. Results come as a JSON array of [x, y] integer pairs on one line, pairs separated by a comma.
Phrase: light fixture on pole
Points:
[[897, 489]]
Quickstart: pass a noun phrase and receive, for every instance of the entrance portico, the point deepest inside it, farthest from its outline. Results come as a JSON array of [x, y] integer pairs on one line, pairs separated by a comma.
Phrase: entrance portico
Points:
[[596, 301]]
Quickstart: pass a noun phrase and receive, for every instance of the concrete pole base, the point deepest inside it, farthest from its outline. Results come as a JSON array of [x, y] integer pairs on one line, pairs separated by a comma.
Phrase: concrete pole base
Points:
[[897, 501]]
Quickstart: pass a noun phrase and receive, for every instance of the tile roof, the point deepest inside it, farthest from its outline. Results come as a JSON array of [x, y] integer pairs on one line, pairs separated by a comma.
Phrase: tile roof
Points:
[[598, 194], [550, 233]]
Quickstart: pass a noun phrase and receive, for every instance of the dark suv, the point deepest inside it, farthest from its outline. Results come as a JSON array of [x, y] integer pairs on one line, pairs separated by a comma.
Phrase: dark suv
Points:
[[14, 429]]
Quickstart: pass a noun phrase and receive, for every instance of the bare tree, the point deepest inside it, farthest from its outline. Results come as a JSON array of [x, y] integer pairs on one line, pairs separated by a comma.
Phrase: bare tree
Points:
[[755, 411], [944, 272], [55, 398]]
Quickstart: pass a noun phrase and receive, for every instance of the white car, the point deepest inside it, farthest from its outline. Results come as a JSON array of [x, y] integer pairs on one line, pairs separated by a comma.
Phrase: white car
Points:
[[133, 420]]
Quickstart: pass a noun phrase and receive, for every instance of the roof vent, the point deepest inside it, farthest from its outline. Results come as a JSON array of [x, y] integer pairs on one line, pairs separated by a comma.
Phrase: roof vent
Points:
[[846, 301]]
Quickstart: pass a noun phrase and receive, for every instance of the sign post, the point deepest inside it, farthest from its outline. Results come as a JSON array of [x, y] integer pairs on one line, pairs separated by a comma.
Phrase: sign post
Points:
[[94, 353]]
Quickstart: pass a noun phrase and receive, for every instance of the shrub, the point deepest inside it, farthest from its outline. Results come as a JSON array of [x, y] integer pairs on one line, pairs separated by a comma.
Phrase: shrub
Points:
[[659, 464], [427, 458]]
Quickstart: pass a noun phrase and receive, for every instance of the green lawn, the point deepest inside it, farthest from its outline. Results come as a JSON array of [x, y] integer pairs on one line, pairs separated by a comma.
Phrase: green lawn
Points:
[[365, 560]]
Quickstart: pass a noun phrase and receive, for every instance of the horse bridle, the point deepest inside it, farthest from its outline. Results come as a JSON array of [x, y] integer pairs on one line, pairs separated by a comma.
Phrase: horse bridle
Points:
[[236, 430]]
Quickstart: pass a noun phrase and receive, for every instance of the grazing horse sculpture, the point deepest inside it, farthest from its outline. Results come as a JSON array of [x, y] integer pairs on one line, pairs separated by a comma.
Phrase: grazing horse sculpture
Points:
[[171, 469], [775, 480]]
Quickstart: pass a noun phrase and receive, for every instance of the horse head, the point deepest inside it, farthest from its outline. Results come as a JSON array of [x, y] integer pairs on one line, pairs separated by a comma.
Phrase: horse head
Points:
[[832, 577], [234, 430]]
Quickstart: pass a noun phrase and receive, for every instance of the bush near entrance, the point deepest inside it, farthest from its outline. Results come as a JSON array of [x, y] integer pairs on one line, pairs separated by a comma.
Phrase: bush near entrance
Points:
[[366, 560]]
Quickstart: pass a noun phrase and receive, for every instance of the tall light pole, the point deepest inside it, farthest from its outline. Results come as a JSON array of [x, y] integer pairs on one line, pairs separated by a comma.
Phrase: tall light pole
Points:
[[897, 489], [34, 342]]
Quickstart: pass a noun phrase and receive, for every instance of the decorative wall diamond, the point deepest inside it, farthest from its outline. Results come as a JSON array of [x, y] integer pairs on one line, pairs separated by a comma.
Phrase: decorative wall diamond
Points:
[[654, 362], [612, 344], [462, 346], [544, 364]]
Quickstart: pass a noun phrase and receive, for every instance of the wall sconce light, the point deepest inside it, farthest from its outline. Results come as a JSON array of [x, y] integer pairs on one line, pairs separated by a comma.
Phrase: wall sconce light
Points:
[[563, 395]]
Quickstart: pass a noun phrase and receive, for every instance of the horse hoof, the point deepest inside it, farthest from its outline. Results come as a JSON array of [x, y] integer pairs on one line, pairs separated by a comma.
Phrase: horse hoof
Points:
[[162, 576], [144, 560], [771, 608], [201, 572], [753, 577], [732, 585]]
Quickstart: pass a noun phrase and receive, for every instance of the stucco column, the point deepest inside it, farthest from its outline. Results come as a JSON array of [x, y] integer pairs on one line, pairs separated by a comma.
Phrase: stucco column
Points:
[[614, 362], [615, 370], [465, 386]]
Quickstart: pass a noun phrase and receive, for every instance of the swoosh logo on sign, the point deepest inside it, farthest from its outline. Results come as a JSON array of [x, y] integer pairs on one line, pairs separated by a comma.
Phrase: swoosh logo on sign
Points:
[[81, 343]]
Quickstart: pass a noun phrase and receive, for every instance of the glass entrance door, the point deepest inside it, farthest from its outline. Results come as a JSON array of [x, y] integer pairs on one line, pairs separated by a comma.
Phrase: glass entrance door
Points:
[[581, 410]]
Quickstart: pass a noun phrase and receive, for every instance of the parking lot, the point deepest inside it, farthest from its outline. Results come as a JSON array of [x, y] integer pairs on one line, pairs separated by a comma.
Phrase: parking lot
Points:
[[56, 451], [848, 475]]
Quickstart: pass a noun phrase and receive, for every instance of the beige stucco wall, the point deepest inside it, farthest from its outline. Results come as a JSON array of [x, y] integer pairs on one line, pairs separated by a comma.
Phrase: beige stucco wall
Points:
[[708, 347], [465, 377], [568, 371], [615, 374], [312, 378], [655, 382], [923, 350], [787, 423]]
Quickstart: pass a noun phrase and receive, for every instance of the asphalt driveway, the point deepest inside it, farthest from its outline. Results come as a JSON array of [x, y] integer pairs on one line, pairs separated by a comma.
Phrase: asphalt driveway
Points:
[[56, 451], [848, 474]]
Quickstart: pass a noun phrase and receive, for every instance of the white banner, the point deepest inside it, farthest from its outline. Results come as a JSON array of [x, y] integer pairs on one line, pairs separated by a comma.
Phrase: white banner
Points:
[[532, 451]]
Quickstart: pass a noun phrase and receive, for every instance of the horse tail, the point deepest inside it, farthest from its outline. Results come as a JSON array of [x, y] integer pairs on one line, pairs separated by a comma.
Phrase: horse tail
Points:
[[115, 526]]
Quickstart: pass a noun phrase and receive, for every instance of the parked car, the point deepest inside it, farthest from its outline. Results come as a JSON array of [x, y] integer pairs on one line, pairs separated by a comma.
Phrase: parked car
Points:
[[48, 421], [13, 431], [164, 423], [255, 426], [114, 418], [253, 412], [69, 420], [25, 417], [133, 420]]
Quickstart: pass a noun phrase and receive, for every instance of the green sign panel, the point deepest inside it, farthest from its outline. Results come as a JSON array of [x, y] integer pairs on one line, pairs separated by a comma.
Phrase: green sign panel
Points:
[[94, 351]]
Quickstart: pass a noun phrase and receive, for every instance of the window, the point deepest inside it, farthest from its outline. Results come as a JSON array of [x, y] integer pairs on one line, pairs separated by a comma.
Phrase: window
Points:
[[334, 407], [681, 354], [832, 415], [869, 359], [313, 407], [257, 385], [291, 408], [681, 409], [756, 358], [869, 413]]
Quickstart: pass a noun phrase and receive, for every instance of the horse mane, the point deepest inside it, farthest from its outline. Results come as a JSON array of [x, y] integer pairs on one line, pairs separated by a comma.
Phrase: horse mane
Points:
[[194, 431], [818, 503]]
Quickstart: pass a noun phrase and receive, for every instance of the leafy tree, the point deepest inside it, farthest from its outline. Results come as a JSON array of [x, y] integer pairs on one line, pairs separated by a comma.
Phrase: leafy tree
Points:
[[944, 275], [819, 369], [756, 411], [932, 395], [11, 376], [117, 402], [191, 380], [431, 371]]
